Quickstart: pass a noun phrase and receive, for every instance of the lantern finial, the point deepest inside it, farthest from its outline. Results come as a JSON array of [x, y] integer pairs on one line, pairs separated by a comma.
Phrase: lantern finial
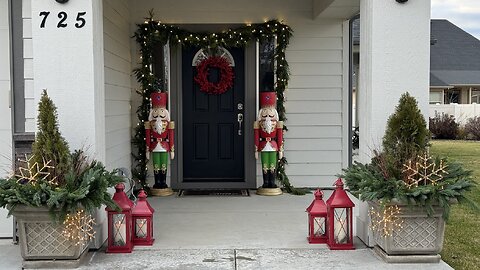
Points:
[[142, 196], [339, 183], [119, 187], [318, 194]]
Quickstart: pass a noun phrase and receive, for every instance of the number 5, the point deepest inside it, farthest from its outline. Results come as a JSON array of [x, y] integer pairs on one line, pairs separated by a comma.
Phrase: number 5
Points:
[[81, 20]]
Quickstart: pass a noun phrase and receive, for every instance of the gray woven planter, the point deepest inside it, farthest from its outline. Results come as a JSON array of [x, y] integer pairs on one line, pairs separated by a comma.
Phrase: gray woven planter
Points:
[[41, 239], [420, 234]]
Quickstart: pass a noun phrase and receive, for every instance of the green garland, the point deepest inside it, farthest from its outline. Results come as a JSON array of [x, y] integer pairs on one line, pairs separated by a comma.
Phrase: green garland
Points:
[[154, 33]]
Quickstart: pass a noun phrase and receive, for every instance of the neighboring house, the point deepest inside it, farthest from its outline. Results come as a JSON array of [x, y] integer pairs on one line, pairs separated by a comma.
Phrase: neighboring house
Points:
[[88, 74], [454, 65], [454, 72]]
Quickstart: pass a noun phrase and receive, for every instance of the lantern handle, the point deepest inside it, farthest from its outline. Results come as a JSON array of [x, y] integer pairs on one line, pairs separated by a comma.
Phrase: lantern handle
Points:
[[123, 172]]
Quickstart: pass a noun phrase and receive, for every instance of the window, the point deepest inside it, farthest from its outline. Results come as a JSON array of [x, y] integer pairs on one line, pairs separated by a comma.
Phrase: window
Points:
[[436, 97], [452, 96], [267, 65], [161, 62], [475, 98]]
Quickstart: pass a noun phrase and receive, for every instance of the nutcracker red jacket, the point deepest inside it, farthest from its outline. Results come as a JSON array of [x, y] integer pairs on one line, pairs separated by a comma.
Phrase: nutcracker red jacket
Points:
[[166, 138], [275, 137]]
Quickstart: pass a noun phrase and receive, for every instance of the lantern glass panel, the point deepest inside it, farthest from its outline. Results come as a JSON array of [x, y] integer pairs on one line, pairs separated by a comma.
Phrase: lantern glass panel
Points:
[[119, 229], [341, 225], [141, 228], [319, 226]]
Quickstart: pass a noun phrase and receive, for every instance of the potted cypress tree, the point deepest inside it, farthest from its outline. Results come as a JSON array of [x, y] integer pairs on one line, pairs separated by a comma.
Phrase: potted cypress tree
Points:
[[408, 191], [53, 193]]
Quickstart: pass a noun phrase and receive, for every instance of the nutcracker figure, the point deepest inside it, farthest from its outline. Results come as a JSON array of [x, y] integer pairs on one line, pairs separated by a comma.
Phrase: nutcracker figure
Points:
[[268, 132], [160, 142]]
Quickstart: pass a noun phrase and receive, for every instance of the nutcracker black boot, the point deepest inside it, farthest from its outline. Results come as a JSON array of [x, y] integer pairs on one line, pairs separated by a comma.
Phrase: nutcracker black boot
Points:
[[265, 179], [163, 179], [272, 179], [158, 179]]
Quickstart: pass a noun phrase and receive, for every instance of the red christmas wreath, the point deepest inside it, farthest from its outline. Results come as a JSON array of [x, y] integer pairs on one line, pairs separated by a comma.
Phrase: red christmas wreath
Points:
[[226, 75]]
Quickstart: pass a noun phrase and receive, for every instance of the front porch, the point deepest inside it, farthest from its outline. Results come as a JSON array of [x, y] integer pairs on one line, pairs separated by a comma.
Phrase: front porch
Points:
[[254, 232]]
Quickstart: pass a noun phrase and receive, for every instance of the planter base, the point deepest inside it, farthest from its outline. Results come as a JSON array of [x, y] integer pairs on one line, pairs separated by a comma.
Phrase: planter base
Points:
[[58, 264], [406, 258]]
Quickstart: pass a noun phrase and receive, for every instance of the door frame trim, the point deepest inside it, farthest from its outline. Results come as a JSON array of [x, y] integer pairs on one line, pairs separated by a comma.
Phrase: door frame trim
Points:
[[176, 168]]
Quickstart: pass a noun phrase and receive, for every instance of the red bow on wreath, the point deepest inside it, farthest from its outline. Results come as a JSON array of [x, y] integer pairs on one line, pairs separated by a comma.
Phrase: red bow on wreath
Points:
[[226, 75]]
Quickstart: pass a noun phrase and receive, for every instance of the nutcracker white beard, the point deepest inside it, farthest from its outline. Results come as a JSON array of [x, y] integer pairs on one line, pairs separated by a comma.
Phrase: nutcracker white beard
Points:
[[268, 125], [159, 126], [159, 115]]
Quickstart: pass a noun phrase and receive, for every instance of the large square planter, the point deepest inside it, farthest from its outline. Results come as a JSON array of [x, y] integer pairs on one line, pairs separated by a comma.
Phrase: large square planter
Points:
[[41, 239], [420, 236]]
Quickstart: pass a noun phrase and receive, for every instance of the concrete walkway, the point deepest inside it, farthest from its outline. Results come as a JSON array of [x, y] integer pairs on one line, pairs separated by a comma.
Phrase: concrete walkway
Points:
[[230, 233]]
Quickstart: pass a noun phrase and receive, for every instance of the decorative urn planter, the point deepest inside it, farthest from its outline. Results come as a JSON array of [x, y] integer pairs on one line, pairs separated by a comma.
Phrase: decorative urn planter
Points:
[[414, 238], [42, 239]]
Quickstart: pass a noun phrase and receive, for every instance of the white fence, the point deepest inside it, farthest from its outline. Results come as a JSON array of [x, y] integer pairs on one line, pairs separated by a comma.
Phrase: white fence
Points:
[[461, 112]]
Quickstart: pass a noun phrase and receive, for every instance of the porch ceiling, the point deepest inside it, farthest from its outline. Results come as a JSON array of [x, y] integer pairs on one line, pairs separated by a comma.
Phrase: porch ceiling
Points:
[[343, 9]]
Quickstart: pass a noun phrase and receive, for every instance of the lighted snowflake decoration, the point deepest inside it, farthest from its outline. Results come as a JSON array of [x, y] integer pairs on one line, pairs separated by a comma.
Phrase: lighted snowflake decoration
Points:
[[424, 171], [32, 172], [386, 221], [79, 227]]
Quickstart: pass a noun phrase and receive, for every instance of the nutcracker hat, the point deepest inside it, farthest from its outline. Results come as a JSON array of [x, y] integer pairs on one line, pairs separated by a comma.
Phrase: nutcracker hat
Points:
[[268, 99], [159, 99]]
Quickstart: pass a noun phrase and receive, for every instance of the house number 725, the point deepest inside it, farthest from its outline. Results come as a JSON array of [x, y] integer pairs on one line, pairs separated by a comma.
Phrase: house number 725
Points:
[[62, 16]]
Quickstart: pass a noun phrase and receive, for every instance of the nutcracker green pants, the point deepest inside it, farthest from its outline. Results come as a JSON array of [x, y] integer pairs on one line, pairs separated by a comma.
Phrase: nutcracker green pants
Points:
[[269, 161], [160, 161]]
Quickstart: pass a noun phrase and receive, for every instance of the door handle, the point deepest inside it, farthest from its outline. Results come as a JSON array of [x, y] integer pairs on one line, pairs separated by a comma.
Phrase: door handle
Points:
[[240, 121]]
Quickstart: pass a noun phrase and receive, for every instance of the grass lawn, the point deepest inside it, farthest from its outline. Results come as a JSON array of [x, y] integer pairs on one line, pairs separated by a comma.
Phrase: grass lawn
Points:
[[461, 248]]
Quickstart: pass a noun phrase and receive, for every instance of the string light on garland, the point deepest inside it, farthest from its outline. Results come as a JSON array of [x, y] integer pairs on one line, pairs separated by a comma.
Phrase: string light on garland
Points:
[[78, 227], [386, 221], [152, 34], [424, 171], [33, 172]]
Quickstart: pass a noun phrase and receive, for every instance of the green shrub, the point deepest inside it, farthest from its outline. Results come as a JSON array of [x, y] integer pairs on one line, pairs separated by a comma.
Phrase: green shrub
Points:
[[69, 181], [406, 134], [443, 126], [472, 128], [398, 172]]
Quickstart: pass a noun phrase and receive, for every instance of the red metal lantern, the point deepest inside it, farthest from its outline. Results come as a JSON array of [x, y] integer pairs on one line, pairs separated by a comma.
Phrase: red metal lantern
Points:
[[340, 216], [120, 223], [142, 215], [317, 220]]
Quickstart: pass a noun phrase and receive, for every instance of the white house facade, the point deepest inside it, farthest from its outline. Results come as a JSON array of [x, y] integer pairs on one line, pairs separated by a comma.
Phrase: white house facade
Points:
[[83, 53]]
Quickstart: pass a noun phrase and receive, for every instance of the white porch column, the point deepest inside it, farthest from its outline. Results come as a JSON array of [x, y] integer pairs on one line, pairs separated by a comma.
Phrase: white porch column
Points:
[[68, 61], [394, 58], [6, 224]]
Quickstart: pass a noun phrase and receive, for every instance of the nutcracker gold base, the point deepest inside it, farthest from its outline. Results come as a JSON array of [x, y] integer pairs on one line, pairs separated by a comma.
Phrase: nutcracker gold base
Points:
[[269, 191], [161, 192]]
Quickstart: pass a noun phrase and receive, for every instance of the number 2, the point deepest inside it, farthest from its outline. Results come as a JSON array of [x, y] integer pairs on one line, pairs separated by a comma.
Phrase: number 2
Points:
[[62, 16], [45, 15]]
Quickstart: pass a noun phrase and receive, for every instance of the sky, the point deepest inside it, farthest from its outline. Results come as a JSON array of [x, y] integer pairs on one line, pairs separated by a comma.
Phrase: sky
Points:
[[463, 13]]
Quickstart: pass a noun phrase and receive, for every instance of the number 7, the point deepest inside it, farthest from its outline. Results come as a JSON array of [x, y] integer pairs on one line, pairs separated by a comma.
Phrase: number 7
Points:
[[45, 15]]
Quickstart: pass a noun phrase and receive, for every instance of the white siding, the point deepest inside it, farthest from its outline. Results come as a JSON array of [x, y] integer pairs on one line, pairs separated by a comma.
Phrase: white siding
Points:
[[316, 142], [118, 69], [5, 111], [30, 106]]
